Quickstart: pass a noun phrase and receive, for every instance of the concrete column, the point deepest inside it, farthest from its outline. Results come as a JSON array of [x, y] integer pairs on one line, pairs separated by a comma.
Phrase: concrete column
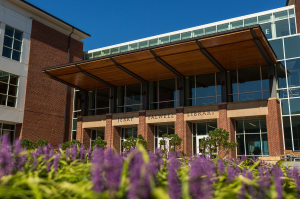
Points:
[[227, 124], [179, 126], [274, 128]]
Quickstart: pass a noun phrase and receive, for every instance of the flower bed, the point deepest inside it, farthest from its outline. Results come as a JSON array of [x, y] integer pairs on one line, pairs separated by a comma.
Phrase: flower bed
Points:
[[79, 173]]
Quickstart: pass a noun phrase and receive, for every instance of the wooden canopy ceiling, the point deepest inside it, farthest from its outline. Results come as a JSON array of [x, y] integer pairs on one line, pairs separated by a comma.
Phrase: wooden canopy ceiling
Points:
[[230, 50]]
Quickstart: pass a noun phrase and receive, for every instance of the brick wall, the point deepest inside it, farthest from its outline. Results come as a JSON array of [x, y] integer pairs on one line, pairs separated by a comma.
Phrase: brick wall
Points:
[[179, 126], [108, 131], [116, 138], [45, 98], [297, 13], [83, 135], [188, 138], [274, 126], [227, 124], [142, 124], [150, 137]]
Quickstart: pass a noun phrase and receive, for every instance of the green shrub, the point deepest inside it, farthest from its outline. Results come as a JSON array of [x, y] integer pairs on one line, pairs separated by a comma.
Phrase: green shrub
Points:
[[40, 143], [131, 142], [99, 143], [70, 143], [27, 143]]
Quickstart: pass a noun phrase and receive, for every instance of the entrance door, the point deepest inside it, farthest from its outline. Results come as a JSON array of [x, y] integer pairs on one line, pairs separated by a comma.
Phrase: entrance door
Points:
[[198, 139], [159, 131], [200, 131]]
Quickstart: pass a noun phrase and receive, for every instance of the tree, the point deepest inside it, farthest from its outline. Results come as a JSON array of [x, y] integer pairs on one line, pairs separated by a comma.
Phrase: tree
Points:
[[217, 140], [99, 143], [70, 143], [174, 142], [131, 142]]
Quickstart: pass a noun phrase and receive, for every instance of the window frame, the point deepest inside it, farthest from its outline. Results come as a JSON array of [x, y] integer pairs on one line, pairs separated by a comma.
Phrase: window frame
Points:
[[13, 41]]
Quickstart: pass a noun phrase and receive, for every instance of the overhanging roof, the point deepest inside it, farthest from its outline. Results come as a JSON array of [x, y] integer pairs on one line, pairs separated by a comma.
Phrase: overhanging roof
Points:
[[229, 50]]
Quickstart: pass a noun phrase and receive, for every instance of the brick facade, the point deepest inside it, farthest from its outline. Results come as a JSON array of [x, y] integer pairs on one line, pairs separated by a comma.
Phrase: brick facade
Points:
[[83, 135], [45, 98], [184, 128], [274, 126]]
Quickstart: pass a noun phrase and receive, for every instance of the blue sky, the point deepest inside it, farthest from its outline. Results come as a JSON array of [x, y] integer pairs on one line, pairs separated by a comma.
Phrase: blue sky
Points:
[[115, 21]]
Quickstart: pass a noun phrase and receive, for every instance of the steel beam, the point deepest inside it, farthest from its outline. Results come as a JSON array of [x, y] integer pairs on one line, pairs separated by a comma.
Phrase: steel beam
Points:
[[128, 71], [63, 82], [94, 77], [260, 48], [209, 57], [162, 62]]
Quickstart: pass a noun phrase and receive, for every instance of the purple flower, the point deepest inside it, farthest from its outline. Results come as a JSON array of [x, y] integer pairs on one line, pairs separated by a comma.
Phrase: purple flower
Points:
[[74, 152], [6, 159], [297, 180], [81, 152], [221, 167], [89, 154], [277, 173], [201, 172], [67, 154], [139, 178], [34, 163], [39, 151], [174, 185], [56, 162], [19, 159], [97, 169], [113, 168]]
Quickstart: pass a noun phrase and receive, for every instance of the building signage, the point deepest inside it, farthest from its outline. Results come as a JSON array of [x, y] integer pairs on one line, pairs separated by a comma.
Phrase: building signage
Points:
[[94, 121], [201, 112], [121, 119], [159, 116]]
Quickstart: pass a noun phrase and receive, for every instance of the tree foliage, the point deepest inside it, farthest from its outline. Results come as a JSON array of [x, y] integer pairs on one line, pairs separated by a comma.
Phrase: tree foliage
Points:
[[217, 140], [99, 143], [30, 145], [70, 143], [173, 145], [131, 142]]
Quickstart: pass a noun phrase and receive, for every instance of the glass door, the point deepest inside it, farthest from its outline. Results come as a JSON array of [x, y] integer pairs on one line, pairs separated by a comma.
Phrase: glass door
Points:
[[200, 131], [159, 131], [127, 133]]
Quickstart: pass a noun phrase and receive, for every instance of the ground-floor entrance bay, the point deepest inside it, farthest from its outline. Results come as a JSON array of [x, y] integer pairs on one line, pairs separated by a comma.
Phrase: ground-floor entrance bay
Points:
[[251, 126]]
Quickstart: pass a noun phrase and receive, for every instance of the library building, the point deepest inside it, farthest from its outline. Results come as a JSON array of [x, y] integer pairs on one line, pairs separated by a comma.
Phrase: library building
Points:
[[240, 74]]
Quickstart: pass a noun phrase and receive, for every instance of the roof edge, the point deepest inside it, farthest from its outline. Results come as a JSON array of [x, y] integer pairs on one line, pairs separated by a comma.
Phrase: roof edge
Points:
[[52, 16], [161, 45]]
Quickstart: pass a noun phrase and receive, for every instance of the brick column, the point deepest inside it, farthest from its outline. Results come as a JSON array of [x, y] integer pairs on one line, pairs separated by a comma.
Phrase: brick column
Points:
[[188, 138], [108, 130], [79, 129], [149, 136], [116, 138], [18, 131], [227, 124], [83, 135], [274, 127], [142, 124], [179, 126]]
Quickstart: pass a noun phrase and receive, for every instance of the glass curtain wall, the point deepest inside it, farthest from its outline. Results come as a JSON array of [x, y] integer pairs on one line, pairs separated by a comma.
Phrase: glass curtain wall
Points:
[[203, 89], [274, 24], [164, 94], [95, 133], [99, 102], [127, 133], [252, 138], [129, 98], [248, 84], [8, 129]]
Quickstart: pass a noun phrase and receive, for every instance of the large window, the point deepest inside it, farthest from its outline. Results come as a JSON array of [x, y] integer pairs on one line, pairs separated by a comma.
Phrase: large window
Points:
[[8, 89], [203, 89], [95, 133], [99, 102], [8, 129], [127, 133], [248, 84], [252, 138], [129, 98], [200, 130], [12, 46], [164, 94], [160, 130]]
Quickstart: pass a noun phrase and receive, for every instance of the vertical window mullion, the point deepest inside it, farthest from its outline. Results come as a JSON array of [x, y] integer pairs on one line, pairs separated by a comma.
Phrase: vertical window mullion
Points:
[[7, 90], [125, 99], [244, 138], [13, 41], [261, 144]]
